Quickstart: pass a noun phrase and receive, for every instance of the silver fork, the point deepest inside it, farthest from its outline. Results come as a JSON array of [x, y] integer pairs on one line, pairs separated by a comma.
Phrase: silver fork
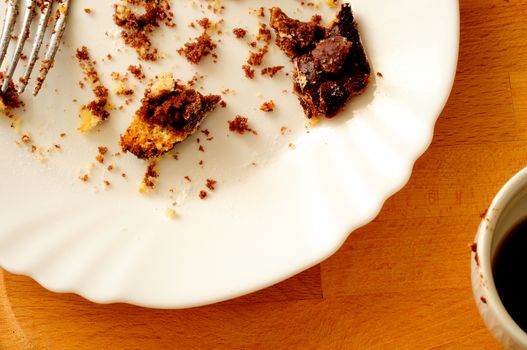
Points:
[[30, 8]]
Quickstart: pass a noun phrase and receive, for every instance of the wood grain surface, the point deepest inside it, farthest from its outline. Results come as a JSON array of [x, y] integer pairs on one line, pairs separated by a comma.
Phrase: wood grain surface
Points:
[[402, 282]]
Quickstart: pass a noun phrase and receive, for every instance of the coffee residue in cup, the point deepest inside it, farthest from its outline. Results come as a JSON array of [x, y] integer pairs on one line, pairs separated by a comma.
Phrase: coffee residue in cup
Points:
[[509, 264]]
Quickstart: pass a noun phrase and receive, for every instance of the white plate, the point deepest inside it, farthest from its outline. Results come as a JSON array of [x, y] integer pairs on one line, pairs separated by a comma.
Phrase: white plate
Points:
[[265, 222]]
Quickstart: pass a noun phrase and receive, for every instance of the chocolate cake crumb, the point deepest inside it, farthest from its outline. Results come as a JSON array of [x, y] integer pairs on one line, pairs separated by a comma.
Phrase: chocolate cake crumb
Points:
[[102, 152], [264, 33], [10, 99], [271, 71], [82, 54], [137, 71], [205, 23], [249, 72], [137, 26], [151, 175], [240, 125], [256, 58], [96, 111], [379, 74], [239, 33], [26, 139], [260, 12], [195, 50], [211, 184], [267, 106]]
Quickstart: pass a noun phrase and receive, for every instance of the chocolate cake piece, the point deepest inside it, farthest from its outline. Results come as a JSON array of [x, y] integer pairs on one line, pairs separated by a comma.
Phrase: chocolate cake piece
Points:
[[168, 115], [294, 37], [330, 65]]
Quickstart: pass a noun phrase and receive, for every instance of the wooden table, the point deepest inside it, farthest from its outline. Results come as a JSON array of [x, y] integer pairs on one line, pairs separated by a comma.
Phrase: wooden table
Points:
[[401, 282]]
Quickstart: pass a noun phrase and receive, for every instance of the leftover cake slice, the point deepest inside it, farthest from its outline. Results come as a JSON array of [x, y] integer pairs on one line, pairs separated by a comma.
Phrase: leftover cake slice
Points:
[[330, 65], [169, 113]]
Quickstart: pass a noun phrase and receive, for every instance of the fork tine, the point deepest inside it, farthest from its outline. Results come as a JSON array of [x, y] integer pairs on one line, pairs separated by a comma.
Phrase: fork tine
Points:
[[9, 23], [24, 33], [42, 26], [58, 31]]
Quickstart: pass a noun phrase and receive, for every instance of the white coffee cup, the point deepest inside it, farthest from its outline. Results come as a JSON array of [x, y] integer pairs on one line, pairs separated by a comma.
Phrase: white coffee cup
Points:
[[508, 208]]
